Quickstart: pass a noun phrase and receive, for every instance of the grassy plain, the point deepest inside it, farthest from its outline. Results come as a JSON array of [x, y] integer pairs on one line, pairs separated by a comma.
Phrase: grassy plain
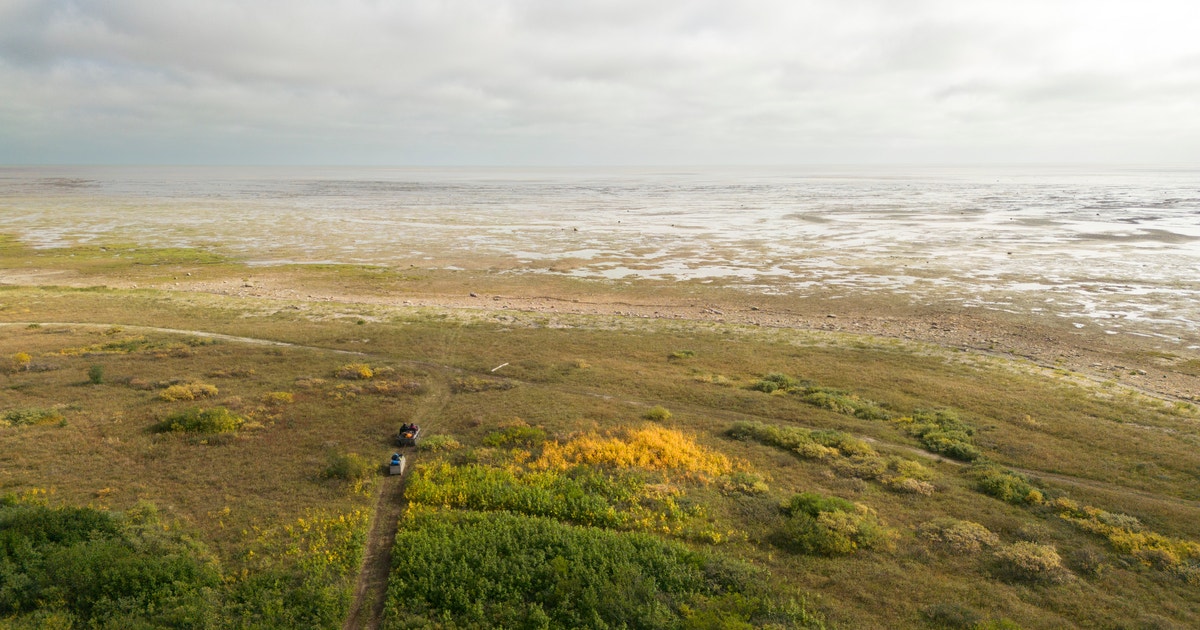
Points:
[[275, 512]]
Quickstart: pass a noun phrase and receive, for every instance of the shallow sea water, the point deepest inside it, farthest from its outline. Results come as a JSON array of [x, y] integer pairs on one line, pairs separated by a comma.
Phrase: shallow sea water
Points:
[[1117, 248]]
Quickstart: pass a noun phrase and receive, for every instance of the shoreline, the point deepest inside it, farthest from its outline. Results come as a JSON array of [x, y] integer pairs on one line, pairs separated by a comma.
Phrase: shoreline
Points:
[[1143, 363]]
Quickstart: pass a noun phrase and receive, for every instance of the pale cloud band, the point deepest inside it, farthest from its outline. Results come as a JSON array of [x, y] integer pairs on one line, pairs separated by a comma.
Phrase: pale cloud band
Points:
[[614, 82]]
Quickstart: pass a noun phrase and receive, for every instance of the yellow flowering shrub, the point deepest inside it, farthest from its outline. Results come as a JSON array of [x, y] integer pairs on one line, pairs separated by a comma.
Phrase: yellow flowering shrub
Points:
[[649, 448]]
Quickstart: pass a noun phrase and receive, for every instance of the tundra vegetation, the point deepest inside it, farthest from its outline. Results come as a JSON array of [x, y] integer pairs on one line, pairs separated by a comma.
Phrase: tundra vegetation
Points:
[[798, 480]]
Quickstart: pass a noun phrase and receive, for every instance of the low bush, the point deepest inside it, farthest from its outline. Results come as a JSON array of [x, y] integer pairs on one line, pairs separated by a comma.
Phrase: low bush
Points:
[[277, 399], [31, 416], [956, 536], [848, 455], [355, 371], [197, 420], [844, 402], [830, 526], [774, 382], [20, 362], [681, 354], [743, 483], [943, 432], [1005, 485], [96, 375], [1127, 535], [657, 413], [188, 391], [349, 467], [1030, 562]]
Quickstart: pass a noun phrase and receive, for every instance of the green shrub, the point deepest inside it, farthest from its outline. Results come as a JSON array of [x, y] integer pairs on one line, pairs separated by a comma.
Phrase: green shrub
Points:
[[88, 568], [774, 382], [31, 416], [657, 413], [843, 402], [491, 570], [830, 526], [96, 375], [588, 499], [1005, 485], [349, 467], [197, 420], [1030, 562], [942, 431]]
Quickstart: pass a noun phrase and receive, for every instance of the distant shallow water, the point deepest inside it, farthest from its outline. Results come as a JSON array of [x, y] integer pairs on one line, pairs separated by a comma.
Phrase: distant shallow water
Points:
[[1115, 248]]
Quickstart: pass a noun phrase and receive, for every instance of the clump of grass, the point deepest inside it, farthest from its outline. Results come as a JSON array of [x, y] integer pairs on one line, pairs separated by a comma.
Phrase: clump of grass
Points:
[[349, 467], [657, 413], [197, 420], [831, 526], [681, 354], [957, 536], [1030, 562], [31, 416], [188, 391], [438, 444]]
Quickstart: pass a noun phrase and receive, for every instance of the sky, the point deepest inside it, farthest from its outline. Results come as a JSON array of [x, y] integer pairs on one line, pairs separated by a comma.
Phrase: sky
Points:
[[585, 82]]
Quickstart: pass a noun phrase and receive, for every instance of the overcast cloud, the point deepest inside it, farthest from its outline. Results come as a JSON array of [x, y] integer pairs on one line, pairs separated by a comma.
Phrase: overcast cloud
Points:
[[598, 82]]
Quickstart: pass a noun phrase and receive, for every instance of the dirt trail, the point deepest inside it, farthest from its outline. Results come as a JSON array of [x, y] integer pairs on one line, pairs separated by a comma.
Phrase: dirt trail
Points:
[[371, 588], [178, 331], [370, 591]]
